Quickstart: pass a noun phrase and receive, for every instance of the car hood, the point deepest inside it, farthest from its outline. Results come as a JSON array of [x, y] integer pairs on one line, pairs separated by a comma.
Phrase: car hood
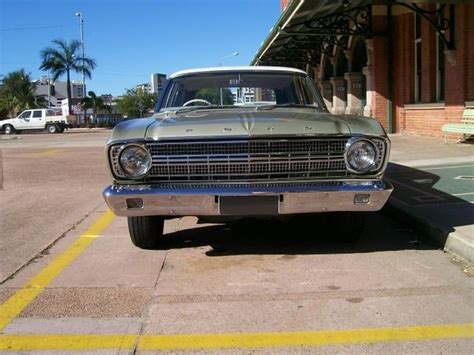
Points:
[[244, 124], [7, 120]]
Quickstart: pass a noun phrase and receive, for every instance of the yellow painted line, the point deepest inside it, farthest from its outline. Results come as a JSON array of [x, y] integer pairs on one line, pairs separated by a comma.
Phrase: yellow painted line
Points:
[[23, 297], [315, 338], [235, 340], [50, 152], [66, 342]]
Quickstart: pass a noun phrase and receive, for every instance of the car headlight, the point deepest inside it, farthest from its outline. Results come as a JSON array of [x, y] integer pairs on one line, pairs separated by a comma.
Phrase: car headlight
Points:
[[361, 155], [135, 161]]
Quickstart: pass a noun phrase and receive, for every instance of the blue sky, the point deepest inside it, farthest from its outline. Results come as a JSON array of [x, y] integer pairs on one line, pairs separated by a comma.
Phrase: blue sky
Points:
[[131, 39]]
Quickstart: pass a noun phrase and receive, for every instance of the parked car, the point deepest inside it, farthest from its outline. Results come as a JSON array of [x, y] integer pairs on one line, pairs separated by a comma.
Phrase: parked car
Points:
[[38, 119], [244, 141]]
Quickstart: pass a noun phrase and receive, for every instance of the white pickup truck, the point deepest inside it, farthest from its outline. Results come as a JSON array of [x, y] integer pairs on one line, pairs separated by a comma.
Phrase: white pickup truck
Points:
[[37, 119]]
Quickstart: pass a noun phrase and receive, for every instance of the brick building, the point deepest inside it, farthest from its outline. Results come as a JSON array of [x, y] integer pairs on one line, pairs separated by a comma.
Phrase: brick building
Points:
[[408, 64]]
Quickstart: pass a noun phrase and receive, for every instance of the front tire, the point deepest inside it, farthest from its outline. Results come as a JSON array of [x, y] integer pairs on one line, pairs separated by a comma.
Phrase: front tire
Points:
[[8, 129], [52, 129], [146, 232]]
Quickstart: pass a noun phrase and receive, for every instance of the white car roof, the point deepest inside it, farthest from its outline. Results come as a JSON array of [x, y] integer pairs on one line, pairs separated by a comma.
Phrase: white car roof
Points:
[[236, 68]]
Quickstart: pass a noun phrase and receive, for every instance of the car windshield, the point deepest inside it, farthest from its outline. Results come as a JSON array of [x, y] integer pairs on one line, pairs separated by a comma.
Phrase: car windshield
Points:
[[237, 89]]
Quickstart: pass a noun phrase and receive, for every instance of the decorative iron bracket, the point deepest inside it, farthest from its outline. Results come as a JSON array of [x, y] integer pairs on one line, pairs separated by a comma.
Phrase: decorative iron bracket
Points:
[[322, 42], [320, 36], [292, 57], [323, 46], [306, 41], [436, 18], [355, 21]]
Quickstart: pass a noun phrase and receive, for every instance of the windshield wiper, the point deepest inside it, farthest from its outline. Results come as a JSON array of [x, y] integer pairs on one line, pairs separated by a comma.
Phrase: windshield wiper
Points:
[[193, 108], [289, 104], [197, 108]]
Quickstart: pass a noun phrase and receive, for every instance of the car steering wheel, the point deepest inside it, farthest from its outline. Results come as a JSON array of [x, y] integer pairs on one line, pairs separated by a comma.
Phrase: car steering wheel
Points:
[[197, 100]]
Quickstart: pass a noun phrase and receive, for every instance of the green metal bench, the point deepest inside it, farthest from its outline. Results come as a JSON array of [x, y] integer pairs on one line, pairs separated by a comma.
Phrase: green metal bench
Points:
[[466, 127]]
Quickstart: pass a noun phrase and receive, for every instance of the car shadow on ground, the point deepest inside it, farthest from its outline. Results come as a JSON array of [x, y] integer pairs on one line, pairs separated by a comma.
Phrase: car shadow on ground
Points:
[[388, 230], [308, 234]]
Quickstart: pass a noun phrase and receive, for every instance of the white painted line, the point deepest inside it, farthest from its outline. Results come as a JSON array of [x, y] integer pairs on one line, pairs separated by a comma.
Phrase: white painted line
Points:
[[450, 167], [464, 194], [464, 177], [433, 162]]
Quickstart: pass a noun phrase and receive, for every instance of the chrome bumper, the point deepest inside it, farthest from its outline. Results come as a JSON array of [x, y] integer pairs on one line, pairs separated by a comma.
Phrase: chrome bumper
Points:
[[204, 200]]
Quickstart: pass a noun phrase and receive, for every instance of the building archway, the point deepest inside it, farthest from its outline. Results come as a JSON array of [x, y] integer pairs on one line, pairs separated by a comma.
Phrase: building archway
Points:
[[356, 80], [359, 55], [339, 86], [327, 72]]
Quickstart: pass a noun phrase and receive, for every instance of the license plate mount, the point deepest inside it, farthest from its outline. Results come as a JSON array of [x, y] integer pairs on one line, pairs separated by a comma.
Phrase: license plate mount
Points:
[[248, 205]]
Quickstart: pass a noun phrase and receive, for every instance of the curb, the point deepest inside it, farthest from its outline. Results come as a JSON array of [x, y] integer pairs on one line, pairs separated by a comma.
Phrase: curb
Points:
[[452, 242]]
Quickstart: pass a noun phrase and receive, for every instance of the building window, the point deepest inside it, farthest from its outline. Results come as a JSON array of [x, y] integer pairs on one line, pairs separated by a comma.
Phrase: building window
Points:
[[418, 60]]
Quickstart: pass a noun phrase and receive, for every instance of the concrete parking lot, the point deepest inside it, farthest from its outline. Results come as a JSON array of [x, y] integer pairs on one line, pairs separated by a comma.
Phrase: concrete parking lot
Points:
[[70, 278]]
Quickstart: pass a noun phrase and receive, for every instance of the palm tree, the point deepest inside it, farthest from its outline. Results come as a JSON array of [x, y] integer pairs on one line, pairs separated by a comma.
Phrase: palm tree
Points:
[[17, 92], [64, 58], [96, 103]]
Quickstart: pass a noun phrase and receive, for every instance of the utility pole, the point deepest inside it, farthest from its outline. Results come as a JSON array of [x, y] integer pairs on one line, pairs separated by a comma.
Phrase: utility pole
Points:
[[81, 28], [49, 92]]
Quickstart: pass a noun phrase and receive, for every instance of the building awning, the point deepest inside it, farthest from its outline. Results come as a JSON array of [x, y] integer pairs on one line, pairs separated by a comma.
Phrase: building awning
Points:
[[309, 28]]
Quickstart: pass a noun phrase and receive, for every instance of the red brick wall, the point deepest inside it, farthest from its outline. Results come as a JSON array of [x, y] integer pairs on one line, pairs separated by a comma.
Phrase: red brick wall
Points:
[[469, 34], [459, 76], [424, 122]]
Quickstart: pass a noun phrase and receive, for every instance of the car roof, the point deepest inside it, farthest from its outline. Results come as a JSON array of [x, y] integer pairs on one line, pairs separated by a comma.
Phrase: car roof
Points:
[[235, 69]]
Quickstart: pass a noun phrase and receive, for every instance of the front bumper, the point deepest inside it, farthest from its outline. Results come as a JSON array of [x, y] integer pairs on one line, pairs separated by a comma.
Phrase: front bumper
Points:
[[204, 200]]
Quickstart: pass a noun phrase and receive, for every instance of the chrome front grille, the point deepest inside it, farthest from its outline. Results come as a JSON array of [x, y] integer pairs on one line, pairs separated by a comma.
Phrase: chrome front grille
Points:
[[255, 147], [250, 160]]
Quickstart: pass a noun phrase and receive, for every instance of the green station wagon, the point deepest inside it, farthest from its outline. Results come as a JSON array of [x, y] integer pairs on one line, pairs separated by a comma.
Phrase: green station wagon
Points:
[[231, 142]]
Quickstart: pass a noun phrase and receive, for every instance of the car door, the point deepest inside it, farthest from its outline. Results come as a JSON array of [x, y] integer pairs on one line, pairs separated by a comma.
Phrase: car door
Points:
[[37, 119], [23, 121]]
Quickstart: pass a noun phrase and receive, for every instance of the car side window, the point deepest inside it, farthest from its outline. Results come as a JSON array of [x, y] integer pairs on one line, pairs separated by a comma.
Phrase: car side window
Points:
[[37, 114], [26, 114]]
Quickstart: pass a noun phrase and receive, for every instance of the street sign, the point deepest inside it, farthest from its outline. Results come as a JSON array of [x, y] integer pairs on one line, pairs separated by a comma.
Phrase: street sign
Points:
[[76, 109]]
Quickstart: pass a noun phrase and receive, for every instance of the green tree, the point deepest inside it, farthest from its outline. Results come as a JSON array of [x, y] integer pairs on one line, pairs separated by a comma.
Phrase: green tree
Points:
[[214, 96], [94, 102], [17, 93], [62, 59], [136, 102]]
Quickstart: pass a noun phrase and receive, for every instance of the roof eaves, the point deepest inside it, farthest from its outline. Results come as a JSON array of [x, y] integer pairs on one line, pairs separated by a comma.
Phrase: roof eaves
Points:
[[285, 17]]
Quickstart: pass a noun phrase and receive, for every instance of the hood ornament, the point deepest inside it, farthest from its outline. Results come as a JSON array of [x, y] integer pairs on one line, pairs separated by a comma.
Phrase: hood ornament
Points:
[[247, 122]]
